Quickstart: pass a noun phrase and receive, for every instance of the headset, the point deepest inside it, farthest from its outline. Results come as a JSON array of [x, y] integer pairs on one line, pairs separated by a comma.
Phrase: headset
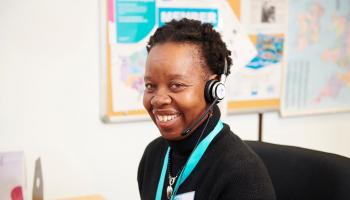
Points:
[[215, 89], [214, 92]]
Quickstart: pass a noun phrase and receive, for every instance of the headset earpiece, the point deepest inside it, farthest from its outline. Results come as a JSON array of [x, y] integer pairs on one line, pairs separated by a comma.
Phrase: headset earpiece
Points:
[[215, 89], [208, 90]]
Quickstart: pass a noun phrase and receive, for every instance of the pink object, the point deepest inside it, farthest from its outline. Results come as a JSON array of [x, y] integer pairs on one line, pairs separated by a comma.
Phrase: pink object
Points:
[[110, 10], [16, 193]]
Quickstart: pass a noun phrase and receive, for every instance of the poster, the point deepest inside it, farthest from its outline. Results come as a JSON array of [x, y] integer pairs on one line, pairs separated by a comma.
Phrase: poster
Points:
[[126, 28], [264, 16], [317, 73], [256, 86]]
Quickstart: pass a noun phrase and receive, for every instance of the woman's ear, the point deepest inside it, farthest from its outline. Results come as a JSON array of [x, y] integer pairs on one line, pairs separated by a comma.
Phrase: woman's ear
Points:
[[214, 76]]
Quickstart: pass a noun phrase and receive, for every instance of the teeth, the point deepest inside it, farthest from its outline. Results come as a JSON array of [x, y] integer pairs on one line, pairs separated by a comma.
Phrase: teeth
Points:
[[165, 118]]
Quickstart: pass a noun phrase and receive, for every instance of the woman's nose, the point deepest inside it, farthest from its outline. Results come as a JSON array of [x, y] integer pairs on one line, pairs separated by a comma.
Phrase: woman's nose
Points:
[[160, 100]]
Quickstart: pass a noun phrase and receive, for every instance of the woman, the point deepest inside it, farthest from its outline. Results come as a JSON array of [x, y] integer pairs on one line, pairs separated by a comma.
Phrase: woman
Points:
[[197, 156]]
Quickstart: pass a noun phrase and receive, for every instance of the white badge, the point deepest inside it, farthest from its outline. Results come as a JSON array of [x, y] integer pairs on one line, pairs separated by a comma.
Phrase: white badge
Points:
[[185, 196]]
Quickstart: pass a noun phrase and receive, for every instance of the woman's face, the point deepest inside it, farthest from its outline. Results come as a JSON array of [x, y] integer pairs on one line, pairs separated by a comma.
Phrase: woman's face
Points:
[[174, 87]]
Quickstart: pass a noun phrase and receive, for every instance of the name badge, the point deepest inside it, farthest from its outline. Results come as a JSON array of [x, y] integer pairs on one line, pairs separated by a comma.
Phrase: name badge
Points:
[[185, 196]]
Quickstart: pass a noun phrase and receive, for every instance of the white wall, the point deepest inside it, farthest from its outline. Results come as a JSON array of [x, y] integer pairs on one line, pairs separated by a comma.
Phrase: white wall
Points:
[[49, 105], [328, 133]]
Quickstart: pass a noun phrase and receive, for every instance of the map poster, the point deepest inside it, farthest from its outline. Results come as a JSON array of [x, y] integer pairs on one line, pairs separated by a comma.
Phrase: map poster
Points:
[[317, 73], [126, 27]]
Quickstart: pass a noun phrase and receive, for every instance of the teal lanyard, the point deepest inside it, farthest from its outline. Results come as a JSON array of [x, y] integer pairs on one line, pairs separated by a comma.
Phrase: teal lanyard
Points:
[[193, 160]]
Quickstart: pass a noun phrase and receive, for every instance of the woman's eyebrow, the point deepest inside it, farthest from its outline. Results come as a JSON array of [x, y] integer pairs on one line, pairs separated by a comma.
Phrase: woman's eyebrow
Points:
[[179, 76], [147, 78], [172, 77]]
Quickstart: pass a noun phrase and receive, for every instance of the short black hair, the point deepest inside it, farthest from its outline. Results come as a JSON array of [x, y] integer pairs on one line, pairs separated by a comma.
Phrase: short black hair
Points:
[[213, 49]]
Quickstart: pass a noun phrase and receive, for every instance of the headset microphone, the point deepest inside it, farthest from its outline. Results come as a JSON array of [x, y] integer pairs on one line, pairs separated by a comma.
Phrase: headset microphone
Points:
[[199, 120]]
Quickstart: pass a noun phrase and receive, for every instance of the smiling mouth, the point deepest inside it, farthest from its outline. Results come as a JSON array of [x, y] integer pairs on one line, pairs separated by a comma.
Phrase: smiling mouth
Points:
[[166, 118]]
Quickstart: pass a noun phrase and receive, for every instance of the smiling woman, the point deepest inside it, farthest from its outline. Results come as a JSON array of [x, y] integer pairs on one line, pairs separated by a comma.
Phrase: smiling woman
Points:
[[186, 68], [174, 95]]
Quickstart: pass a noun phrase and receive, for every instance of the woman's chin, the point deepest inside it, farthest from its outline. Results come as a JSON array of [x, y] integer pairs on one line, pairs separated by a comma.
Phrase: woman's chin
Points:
[[171, 135]]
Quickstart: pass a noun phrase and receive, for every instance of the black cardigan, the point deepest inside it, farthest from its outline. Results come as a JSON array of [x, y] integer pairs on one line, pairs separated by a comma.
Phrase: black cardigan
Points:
[[228, 169]]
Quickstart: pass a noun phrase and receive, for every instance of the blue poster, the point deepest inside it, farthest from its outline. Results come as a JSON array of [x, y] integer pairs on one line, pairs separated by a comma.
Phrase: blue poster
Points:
[[134, 19]]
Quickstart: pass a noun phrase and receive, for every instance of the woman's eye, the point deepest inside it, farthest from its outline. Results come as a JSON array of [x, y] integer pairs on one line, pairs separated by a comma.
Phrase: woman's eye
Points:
[[176, 86], [149, 86]]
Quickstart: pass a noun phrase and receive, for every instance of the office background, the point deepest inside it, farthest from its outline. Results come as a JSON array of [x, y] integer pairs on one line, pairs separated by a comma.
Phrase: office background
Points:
[[49, 105]]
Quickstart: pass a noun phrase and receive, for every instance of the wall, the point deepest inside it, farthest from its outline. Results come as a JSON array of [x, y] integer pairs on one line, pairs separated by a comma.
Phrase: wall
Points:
[[49, 105]]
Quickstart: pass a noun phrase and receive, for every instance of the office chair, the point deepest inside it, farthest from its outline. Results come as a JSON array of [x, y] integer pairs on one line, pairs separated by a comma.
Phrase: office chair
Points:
[[305, 174]]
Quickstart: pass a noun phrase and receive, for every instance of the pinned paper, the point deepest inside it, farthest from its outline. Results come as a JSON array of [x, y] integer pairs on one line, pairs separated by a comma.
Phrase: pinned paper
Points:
[[12, 175]]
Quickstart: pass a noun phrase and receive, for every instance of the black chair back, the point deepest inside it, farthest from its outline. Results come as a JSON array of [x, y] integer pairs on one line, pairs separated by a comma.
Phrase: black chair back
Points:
[[304, 174]]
